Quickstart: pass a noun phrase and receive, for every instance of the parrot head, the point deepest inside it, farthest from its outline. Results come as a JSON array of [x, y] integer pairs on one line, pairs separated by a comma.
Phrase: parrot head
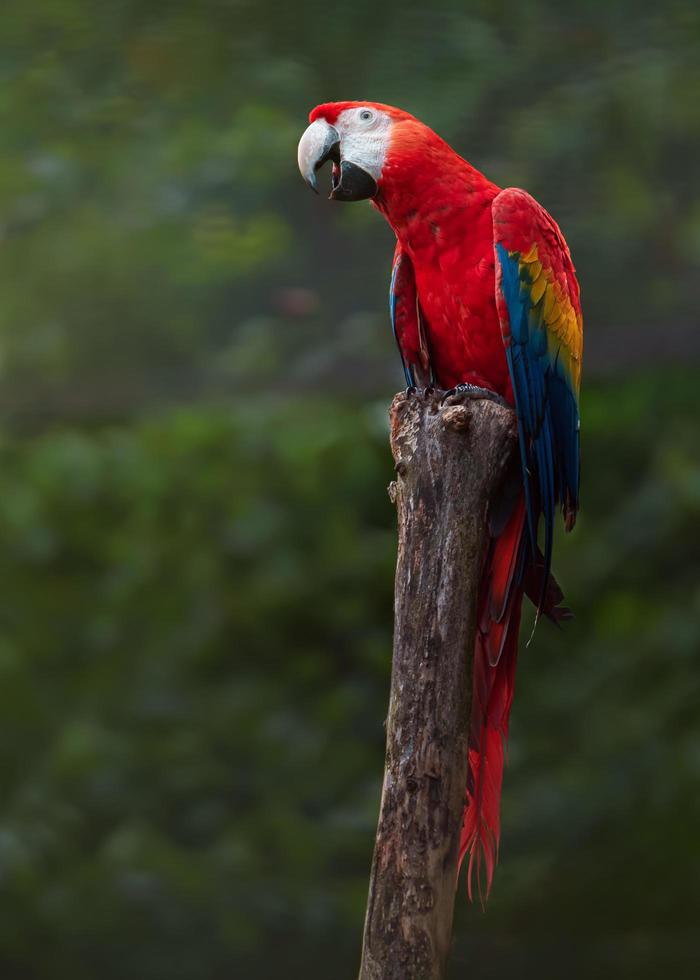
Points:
[[361, 139]]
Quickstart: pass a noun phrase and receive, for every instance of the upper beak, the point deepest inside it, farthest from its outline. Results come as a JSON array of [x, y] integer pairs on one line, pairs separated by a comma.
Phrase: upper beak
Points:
[[320, 143]]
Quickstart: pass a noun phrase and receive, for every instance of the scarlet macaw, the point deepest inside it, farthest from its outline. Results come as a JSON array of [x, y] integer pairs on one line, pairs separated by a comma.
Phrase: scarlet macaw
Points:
[[484, 302]]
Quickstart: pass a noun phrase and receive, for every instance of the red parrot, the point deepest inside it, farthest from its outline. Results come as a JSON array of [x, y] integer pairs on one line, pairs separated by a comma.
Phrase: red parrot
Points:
[[484, 302]]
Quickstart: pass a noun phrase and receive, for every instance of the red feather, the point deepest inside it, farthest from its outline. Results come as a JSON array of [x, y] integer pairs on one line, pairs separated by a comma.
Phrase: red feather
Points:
[[495, 656]]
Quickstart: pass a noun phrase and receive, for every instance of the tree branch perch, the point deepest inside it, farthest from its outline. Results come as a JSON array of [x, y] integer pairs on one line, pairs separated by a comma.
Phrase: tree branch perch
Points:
[[449, 461]]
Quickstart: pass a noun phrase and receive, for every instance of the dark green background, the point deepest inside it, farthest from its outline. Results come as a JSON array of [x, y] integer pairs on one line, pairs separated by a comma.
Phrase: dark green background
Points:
[[196, 546]]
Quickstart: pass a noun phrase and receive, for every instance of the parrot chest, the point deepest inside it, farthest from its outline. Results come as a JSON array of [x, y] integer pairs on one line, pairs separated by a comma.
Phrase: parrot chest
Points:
[[453, 259]]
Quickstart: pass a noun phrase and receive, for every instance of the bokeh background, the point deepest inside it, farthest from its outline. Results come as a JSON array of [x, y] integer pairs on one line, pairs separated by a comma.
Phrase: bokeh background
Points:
[[196, 545]]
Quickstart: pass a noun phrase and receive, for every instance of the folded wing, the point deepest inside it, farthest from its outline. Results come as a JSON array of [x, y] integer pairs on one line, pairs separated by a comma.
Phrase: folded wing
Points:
[[537, 295]]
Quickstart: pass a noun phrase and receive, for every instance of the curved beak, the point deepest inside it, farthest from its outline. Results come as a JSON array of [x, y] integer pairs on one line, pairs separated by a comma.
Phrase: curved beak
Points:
[[320, 143]]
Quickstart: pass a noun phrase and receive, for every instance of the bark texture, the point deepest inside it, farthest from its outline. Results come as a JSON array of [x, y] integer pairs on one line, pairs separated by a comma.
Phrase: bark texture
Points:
[[449, 461]]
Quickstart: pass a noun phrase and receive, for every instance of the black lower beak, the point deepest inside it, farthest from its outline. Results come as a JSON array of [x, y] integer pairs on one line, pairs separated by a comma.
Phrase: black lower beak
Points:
[[352, 183]]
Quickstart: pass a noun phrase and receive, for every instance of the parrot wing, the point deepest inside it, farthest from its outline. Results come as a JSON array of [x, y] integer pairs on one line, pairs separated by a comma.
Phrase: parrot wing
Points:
[[406, 320], [537, 295]]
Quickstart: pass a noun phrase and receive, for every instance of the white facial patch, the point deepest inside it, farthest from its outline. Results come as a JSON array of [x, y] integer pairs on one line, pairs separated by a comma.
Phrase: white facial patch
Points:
[[364, 138]]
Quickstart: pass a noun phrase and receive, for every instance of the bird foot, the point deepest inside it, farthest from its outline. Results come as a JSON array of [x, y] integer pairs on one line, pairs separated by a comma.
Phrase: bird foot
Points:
[[467, 392], [426, 392]]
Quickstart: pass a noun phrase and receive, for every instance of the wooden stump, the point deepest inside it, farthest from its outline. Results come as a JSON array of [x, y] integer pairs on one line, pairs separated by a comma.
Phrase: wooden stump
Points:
[[449, 462]]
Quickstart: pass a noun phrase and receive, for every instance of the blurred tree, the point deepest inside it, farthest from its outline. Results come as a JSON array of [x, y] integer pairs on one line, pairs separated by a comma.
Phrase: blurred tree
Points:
[[196, 552], [152, 210], [194, 650]]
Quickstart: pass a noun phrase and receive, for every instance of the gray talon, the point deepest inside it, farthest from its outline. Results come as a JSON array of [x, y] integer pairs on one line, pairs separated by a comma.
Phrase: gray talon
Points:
[[470, 391]]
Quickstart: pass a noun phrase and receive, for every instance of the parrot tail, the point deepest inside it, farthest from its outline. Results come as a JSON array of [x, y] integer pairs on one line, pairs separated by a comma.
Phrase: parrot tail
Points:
[[496, 648], [509, 573]]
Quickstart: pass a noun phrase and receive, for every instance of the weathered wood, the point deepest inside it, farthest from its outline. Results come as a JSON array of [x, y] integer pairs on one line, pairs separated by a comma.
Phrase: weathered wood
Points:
[[449, 461]]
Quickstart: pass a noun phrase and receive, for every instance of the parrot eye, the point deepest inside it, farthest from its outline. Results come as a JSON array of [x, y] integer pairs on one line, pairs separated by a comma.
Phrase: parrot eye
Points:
[[365, 115]]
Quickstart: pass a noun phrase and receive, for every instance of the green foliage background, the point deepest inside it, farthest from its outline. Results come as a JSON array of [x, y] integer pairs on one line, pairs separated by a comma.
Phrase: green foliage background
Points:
[[196, 547]]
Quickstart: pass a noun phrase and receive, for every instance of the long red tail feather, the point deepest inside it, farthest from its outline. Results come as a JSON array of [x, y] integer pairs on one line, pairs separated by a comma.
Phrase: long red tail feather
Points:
[[506, 578], [495, 655]]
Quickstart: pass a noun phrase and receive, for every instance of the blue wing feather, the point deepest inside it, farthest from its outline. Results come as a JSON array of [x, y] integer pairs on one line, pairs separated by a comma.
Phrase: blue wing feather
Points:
[[408, 373], [546, 408]]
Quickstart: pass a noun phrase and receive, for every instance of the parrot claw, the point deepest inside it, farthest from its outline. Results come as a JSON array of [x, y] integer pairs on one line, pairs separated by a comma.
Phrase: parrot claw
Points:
[[428, 391], [410, 391], [469, 391]]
